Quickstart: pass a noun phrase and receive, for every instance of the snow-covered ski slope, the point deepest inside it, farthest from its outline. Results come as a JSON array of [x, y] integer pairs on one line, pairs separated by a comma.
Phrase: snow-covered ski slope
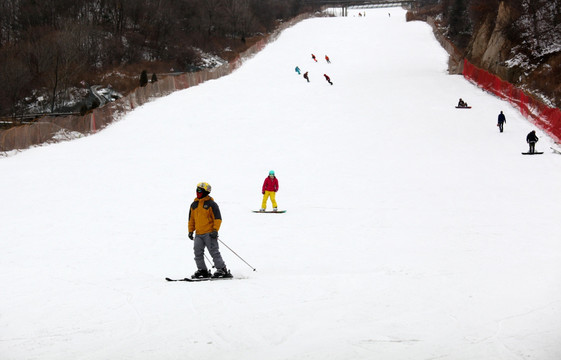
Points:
[[415, 230]]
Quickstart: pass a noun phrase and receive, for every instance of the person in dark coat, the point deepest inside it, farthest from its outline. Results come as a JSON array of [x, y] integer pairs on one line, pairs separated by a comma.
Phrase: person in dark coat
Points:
[[328, 79], [501, 121], [306, 76], [532, 139]]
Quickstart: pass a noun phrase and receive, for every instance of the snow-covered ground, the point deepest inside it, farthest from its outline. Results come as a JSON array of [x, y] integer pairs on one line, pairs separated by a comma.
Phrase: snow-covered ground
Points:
[[414, 230]]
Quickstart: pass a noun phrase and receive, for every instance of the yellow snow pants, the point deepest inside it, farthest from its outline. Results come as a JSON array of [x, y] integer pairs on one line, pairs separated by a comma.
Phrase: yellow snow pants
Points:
[[266, 197]]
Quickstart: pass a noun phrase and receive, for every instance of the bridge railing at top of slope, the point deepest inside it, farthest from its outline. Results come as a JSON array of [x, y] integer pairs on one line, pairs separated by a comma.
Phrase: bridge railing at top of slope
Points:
[[361, 3]]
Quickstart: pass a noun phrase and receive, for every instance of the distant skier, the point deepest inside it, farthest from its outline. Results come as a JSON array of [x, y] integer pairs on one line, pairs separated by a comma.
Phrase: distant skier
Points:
[[205, 220], [328, 79], [327, 59], [501, 120], [269, 189], [306, 76], [532, 139], [297, 69], [314, 57], [462, 103]]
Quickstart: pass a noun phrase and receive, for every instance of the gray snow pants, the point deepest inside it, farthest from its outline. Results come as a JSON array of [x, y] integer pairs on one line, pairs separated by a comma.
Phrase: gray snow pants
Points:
[[202, 241]]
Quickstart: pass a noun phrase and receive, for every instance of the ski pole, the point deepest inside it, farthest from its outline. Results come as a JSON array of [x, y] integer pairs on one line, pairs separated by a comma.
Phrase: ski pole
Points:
[[207, 259], [237, 254]]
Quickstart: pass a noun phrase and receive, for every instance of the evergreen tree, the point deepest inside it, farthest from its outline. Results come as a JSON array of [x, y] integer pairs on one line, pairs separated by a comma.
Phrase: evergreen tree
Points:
[[459, 23], [143, 78]]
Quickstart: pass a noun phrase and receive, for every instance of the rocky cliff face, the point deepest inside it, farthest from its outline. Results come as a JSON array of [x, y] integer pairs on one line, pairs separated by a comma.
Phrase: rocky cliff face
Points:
[[520, 41], [490, 48]]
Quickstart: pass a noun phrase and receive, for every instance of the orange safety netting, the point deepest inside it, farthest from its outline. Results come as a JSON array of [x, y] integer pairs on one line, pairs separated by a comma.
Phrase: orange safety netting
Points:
[[545, 117]]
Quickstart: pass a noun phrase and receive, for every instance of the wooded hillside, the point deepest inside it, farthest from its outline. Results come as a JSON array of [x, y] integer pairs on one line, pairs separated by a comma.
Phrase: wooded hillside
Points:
[[55, 46]]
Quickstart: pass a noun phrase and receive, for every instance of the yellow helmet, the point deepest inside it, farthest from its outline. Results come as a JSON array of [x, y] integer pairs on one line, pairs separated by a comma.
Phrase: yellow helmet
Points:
[[205, 186]]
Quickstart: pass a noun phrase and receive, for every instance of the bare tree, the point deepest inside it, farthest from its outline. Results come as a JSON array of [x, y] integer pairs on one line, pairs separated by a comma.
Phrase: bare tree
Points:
[[210, 10], [239, 19], [8, 19], [15, 79]]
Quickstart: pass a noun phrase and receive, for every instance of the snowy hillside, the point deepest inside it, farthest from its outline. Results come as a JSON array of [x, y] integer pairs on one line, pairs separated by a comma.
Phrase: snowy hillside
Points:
[[414, 230]]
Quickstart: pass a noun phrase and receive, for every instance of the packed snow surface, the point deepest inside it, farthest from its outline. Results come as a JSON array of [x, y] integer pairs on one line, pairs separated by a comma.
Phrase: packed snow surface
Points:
[[414, 230]]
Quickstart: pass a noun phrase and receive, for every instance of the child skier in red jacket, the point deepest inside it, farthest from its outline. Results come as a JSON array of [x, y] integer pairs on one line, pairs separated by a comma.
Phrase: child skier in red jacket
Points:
[[270, 188]]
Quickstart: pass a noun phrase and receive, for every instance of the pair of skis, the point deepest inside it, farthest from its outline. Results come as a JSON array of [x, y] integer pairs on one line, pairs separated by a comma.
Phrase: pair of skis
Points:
[[229, 276], [201, 279]]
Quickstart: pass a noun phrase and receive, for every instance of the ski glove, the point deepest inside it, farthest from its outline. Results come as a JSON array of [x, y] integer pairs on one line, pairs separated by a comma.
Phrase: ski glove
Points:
[[214, 235], [190, 235]]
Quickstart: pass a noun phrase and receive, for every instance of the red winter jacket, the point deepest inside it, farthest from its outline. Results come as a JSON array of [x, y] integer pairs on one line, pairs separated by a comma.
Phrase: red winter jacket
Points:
[[270, 185]]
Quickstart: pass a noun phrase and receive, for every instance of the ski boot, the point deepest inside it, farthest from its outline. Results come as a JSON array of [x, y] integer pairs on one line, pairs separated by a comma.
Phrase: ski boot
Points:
[[201, 274], [222, 273], [275, 209]]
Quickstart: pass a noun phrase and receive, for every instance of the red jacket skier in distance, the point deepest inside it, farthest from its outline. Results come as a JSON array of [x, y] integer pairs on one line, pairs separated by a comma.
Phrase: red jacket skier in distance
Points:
[[270, 184]]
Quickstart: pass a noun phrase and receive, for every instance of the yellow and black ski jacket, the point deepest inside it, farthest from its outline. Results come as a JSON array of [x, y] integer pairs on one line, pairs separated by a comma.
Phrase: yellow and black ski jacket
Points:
[[204, 216]]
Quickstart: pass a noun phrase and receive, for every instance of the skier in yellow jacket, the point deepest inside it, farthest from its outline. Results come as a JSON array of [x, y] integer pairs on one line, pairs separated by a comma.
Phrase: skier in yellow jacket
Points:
[[205, 220]]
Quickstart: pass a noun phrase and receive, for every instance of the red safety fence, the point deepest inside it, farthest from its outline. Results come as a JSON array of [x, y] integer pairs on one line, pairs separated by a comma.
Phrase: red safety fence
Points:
[[545, 117]]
